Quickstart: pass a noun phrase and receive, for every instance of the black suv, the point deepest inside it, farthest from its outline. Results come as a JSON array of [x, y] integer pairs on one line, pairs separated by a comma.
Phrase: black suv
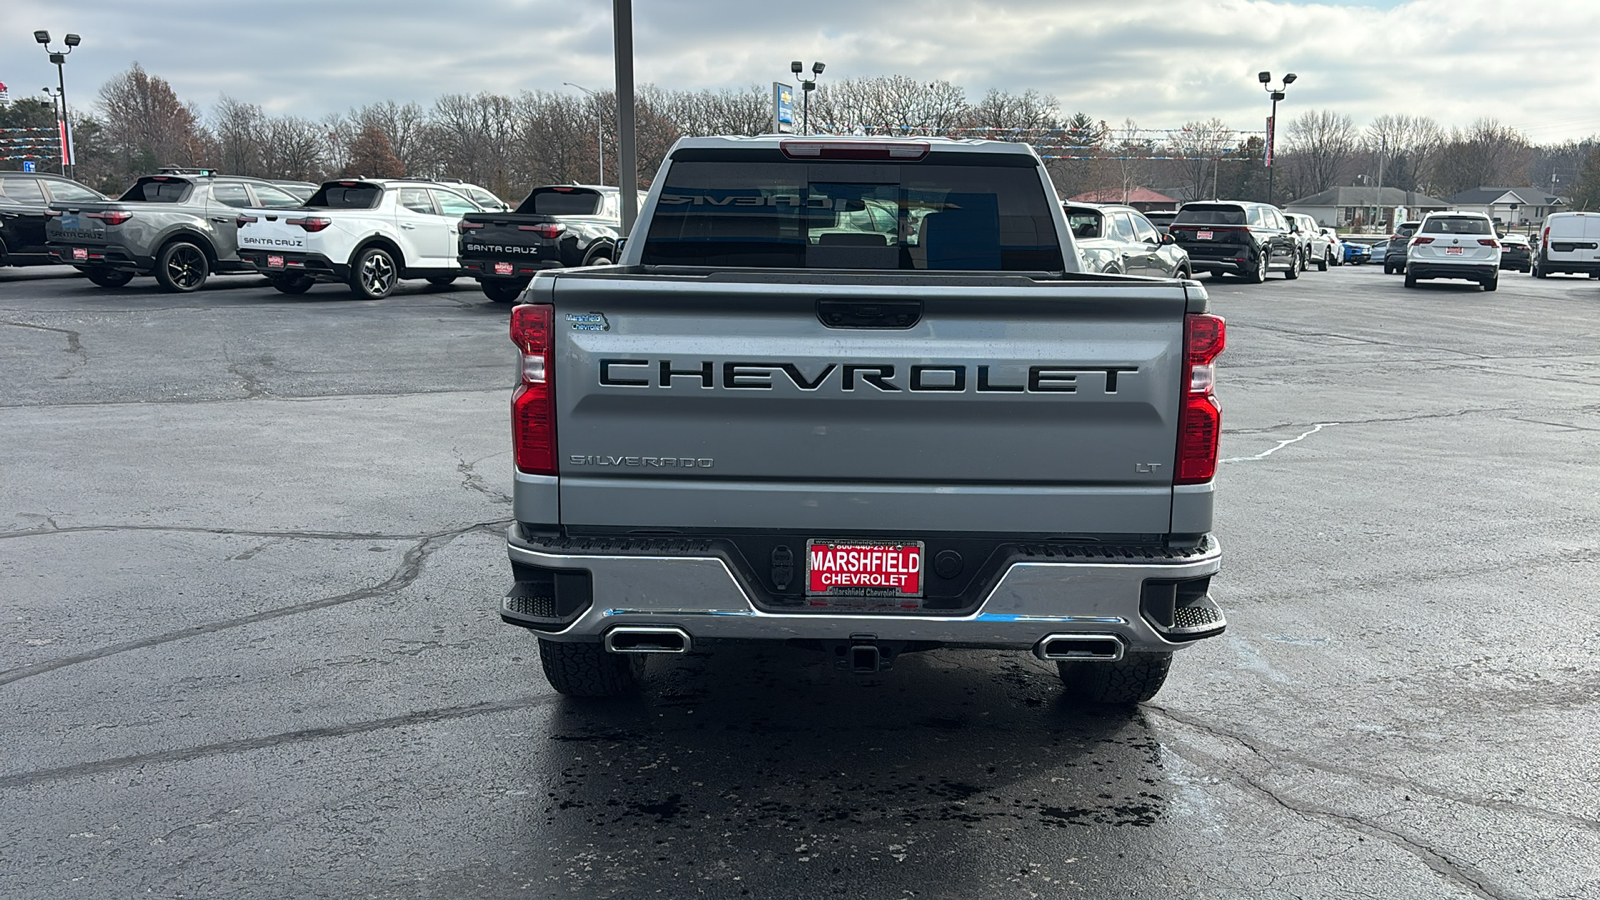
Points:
[[23, 199], [1236, 237]]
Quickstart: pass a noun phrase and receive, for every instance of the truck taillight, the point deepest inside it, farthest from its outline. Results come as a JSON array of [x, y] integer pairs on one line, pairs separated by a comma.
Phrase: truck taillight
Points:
[[546, 230], [533, 405], [243, 220], [1200, 418], [111, 217], [464, 226], [310, 223]]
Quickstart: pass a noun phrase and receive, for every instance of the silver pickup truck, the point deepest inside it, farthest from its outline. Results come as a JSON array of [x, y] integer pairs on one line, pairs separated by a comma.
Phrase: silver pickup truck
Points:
[[856, 396]]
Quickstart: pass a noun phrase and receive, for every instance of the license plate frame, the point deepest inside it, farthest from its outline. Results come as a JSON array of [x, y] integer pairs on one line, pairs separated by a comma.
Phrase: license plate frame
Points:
[[80, 254], [870, 569], [274, 261], [1453, 251], [1204, 235], [504, 268]]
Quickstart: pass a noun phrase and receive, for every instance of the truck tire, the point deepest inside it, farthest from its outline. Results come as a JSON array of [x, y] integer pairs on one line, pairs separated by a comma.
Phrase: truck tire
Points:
[[108, 278], [182, 267], [374, 275], [502, 291], [292, 284], [1134, 678], [587, 670]]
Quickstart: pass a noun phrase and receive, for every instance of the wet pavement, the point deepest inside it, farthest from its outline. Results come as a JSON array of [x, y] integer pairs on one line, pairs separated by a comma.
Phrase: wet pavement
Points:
[[250, 553]]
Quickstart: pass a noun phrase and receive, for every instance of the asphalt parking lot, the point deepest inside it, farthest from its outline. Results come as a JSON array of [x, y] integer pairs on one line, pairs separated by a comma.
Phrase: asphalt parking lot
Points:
[[250, 551]]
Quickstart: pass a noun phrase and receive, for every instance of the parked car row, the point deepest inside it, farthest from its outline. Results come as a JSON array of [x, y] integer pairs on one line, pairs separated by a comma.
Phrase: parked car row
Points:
[[183, 225]]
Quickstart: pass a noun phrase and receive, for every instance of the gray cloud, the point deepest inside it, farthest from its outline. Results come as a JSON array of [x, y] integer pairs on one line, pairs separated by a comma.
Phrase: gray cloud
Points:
[[1161, 63]]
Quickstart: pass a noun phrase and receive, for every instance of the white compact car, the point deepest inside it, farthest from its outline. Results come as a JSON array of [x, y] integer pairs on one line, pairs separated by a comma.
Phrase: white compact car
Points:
[[1570, 243], [1454, 244], [368, 233]]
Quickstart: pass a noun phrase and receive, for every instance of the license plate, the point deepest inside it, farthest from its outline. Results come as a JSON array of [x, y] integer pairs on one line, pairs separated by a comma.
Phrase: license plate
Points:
[[864, 569], [80, 253], [502, 268], [274, 262], [1202, 236], [1452, 251]]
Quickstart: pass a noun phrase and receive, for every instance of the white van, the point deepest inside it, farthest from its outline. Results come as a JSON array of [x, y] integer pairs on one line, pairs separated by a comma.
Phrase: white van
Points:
[[1570, 243]]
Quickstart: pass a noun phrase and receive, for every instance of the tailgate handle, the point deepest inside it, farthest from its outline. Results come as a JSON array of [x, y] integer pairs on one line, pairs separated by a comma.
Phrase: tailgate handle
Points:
[[869, 313]]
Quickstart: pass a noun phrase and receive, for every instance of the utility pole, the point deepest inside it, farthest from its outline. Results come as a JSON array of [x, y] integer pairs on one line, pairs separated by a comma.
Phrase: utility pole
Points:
[[627, 162]]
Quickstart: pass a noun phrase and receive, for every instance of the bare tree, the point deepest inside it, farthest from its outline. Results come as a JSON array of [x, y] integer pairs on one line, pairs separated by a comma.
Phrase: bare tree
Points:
[[238, 131], [372, 157], [1319, 145], [149, 125], [294, 148], [747, 111], [1202, 145], [403, 126], [893, 104], [1486, 154], [1402, 148]]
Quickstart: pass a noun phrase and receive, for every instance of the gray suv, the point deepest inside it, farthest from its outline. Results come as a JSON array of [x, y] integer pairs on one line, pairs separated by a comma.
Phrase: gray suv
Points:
[[1394, 258], [178, 227]]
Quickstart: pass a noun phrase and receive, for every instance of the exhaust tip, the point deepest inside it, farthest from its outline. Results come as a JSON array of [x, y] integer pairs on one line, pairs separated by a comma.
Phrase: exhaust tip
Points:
[[1093, 647], [642, 639]]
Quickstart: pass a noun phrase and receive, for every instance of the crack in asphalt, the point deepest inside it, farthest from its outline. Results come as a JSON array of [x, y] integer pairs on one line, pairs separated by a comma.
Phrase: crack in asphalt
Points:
[[74, 345], [52, 528], [253, 388], [425, 717], [472, 481], [409, 570], [306, 398], [1281, 444], [1454, 871]]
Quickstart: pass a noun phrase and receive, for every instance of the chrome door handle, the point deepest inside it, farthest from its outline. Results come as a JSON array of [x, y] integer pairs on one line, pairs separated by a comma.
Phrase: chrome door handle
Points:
[[407, 225]]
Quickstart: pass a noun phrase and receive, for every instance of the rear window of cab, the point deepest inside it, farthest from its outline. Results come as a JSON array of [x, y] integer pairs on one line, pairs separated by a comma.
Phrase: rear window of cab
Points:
[[157, 190], [346, 195]]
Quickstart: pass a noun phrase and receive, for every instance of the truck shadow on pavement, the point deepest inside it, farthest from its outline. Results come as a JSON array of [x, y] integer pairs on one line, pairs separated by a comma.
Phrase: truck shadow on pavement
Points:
[[759, 767]]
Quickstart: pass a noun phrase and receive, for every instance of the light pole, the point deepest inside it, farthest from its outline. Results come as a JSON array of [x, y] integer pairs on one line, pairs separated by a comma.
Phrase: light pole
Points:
[[1272, 121], [806, 87], [59, 57], [599, 128]]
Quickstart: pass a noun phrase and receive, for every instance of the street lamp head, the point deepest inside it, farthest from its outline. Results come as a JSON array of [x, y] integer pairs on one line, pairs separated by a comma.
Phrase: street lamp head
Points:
[[1264, 77], [797, 67], [816, 68], [1277, 95], [42, 37], [1288, 79], [58, 58], [73, 40]]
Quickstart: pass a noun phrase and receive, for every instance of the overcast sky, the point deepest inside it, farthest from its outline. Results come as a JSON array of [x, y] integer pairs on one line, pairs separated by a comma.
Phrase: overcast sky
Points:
[[1529, 63]]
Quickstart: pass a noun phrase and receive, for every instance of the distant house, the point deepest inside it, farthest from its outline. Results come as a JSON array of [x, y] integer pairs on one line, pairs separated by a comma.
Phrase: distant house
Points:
[[1513, 206], [1142, 199], [1365, 207]]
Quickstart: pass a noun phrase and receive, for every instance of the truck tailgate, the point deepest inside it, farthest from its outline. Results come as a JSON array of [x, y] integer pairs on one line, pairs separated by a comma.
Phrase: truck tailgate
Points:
[[767, 403]]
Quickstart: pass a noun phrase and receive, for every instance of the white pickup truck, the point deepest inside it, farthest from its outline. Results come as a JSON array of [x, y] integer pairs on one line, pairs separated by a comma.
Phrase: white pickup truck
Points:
[[368, 233], [857, 396]]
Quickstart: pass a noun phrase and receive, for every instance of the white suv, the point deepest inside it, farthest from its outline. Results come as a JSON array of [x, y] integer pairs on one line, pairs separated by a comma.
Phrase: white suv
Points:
[[366, 232], [1570, 243], [1454, 244]]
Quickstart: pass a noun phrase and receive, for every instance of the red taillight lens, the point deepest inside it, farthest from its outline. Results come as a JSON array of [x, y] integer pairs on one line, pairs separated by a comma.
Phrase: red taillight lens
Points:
[[310, 223], [1418, 241], [1489, 242], [533, 405], [112, 217], [546, 230], [1546, 236], [242, 221], [463, 227], [1200, 417]]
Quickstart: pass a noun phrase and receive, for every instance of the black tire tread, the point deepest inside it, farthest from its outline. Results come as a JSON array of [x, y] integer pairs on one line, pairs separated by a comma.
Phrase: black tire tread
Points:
[[587, 670], [1134, 678]]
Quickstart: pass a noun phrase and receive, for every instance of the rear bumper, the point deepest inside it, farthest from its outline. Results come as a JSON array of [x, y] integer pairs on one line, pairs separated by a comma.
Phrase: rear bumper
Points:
[[313, 264], [102, 256], [687, 585], [1469, 271], [481, 267], [1573, 266]]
